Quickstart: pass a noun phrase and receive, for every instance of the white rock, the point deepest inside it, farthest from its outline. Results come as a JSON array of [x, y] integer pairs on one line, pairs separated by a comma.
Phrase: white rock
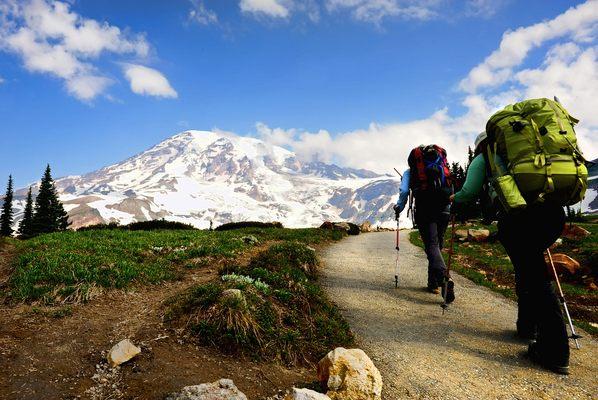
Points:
[[349, 374], [224, 389], [305, 394], [122, 352]]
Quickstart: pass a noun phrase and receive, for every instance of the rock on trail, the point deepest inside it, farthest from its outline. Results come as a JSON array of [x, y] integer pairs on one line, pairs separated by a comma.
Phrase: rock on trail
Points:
[[469, 353]]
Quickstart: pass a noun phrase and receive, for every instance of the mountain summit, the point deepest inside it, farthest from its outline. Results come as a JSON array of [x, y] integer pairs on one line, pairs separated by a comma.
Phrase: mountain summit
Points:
[[200, 176]]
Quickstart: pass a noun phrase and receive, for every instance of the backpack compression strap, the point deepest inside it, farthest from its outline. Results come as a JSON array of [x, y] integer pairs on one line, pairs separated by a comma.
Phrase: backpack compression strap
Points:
[[446, 172]]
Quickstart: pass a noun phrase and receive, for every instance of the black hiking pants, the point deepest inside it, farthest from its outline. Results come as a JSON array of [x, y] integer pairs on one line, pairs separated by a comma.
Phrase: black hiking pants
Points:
[[525, 237], [432, 224]]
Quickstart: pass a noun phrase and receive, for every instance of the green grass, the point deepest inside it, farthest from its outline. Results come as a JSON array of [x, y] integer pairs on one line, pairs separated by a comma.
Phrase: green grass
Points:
[[284, 315], [69, 267], [487, 264]]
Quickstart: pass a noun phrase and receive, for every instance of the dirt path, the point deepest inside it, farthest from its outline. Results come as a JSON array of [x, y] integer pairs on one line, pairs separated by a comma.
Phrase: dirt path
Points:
[[48, 357], [469, 353]]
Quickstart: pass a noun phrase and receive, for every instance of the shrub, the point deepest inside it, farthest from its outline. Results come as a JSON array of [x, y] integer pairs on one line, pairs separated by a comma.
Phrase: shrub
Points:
[[248, 224]]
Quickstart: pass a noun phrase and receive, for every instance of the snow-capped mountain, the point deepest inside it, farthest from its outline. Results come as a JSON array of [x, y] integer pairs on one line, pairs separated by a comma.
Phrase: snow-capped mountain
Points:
[[590, 203], [199, 176]]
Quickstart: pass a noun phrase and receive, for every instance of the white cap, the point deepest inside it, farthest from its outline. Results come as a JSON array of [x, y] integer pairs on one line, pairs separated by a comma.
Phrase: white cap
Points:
[[481, 137]]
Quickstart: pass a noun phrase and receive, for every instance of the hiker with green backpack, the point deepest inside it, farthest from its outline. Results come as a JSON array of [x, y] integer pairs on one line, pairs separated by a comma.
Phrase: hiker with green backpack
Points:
[[530, 162]]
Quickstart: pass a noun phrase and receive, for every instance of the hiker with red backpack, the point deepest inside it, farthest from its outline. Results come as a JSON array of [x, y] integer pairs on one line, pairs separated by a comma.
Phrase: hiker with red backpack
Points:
[[529, 159], [429, 180]]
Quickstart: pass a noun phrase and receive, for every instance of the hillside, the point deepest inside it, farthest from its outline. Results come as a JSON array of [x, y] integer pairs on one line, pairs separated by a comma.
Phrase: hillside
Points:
[[198, 176]]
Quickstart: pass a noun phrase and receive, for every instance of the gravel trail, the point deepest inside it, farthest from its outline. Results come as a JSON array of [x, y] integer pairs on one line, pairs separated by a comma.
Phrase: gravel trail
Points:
[[469, 353]]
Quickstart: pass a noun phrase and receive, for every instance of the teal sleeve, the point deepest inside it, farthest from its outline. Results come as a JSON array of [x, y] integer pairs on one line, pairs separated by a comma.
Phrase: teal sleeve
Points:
[[476, 175]]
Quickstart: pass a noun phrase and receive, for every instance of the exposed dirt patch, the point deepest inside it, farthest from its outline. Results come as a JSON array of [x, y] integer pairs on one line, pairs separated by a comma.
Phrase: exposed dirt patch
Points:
[[59, 352]]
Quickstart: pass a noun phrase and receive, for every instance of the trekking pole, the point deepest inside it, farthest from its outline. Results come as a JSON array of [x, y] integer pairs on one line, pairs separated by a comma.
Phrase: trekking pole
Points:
[[574, 335], [397, 259], [444, 304]]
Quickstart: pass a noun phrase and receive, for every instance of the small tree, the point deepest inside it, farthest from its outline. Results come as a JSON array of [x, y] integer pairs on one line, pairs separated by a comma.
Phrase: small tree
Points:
[[470, 155], [26, 224], [49, 215], [7, 211]]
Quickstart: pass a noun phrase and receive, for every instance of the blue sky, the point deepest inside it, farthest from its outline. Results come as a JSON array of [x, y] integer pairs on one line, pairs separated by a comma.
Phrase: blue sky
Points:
[[319, 77]]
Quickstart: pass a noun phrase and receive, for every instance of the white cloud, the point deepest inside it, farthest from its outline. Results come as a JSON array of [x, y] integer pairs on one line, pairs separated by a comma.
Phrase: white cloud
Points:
[[50, 38], [579, 23], [201, 14], [148, 81], [269, 8], [483, 8], [376, 10], [569, 70]]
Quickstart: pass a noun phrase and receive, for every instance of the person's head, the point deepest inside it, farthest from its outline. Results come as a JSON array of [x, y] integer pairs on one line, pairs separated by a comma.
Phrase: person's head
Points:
[[480, 143]]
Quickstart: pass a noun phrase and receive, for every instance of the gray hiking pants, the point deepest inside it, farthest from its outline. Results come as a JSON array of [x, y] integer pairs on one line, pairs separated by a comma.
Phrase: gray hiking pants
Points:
[[432, 227]]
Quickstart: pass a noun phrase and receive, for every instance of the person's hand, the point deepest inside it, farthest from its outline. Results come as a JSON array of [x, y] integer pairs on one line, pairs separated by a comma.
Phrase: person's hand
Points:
[[397, 211], [452, 198]]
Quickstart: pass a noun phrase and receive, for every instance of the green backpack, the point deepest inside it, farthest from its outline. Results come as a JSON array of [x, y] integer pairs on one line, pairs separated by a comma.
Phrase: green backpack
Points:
[[533, 155]]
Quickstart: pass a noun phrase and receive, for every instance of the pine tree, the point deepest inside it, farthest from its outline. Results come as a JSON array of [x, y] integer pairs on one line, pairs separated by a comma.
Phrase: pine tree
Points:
[[7, 211], [26, 224], [470, 155], [49, 215]]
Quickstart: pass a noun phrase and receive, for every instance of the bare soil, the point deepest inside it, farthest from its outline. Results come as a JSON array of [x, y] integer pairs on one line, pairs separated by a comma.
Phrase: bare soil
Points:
[[59, 352]]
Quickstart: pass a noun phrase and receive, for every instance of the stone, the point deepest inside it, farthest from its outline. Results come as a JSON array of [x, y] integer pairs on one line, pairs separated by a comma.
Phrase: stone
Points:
[[327, 225], [461, 234], [556, 244], [342, 226], [366, 227], [122, 352], [233, 294], [224, 389], [250, 239], [349, 374], [305, 394], [575, 232], [592, 286], [564, 264], [478, 235]]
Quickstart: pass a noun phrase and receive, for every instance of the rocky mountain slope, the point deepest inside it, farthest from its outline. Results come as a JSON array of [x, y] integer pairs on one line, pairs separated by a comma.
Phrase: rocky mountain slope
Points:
[[199, 176]]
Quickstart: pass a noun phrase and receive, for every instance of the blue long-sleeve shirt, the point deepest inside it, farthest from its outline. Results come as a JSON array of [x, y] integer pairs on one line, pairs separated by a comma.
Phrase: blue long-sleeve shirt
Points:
[[404, 190]]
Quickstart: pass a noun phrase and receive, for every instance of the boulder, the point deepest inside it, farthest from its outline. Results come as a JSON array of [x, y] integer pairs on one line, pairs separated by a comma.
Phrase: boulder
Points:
[[478, 235], [564, 264], [224, 389], [327, 225], [122, 352], [305, 394], [461, 234], [592, 286], [342, 226], [349, 374], [366, 227], [575, 232], [250, 239], [556, 244]]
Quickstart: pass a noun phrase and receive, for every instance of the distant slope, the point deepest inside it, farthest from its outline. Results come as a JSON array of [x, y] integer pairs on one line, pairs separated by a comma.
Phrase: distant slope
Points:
[[199, 176]]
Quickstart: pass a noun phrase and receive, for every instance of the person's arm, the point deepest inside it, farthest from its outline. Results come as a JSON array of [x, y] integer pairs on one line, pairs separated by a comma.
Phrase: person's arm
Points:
[[476, 175], [403, 191]]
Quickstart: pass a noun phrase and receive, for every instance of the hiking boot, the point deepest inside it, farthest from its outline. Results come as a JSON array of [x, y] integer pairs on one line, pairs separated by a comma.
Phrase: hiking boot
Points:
[[433, 289], [450, 292], [534, 355]]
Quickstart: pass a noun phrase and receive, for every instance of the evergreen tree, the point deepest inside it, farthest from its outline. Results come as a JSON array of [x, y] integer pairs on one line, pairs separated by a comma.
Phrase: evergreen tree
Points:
[[470, 155], [26, 224], [7, 211], [49, 215]]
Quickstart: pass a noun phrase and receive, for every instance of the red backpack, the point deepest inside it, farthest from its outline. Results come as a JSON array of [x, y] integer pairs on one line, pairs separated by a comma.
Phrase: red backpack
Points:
[[430, 171]]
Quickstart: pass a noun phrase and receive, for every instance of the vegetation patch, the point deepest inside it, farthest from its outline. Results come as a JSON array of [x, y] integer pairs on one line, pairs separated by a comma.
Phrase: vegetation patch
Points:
[[488, 264], [279, 312], [70, 267], [248, 224]]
